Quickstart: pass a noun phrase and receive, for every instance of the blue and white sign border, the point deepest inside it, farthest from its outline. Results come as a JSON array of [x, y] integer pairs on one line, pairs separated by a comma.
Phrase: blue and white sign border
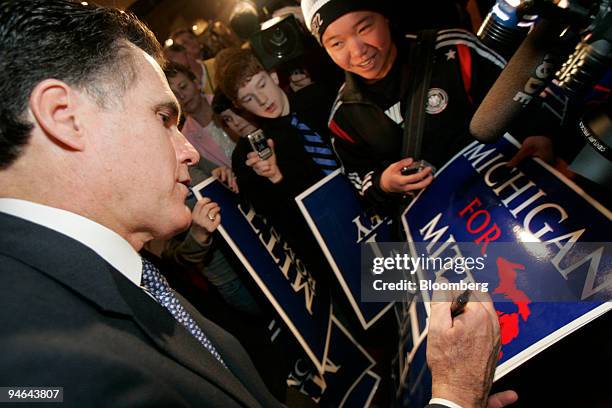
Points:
[[319, 364], [560, 333], [330, 258]]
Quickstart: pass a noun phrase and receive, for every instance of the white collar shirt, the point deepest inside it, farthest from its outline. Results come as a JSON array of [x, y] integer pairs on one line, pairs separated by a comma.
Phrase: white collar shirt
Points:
[[109, 245]]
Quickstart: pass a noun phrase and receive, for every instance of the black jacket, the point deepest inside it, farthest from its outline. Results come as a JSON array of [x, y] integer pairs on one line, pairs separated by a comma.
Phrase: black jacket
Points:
[[367, 139], [70, 319], [312, 106], [277, 201]]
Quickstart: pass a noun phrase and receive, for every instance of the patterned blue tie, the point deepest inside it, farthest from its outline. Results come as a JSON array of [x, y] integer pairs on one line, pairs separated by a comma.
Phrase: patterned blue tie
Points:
[[156, 285], [319, 151]]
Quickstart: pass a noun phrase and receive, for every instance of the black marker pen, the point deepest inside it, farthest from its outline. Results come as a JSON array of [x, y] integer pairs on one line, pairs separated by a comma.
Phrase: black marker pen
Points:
[[459, 303]]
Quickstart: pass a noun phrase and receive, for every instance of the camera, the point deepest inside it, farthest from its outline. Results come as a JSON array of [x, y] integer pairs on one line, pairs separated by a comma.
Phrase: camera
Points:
[[259, 143], [280, 40], [416, 167]]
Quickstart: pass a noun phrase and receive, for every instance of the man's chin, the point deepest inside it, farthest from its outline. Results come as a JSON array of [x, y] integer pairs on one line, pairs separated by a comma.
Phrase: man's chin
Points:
[[180, 222]]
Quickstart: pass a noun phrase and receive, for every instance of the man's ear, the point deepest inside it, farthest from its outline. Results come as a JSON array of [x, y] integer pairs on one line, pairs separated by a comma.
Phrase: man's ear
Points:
[[54, 106], [274, 77]]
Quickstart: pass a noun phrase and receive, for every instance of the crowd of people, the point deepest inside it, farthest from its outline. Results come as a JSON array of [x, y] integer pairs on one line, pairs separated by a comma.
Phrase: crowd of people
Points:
[[95, 177]]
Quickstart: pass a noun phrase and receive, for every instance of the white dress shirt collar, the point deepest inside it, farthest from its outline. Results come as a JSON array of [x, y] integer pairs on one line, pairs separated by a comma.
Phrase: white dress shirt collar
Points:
[[113, 248], [445, 402]]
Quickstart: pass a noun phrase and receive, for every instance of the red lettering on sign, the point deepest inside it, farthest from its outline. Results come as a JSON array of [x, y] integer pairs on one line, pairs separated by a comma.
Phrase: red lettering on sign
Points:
[[480, 220]]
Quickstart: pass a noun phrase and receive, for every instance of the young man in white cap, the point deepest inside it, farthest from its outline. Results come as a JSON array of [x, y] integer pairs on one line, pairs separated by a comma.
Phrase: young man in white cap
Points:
[[368, 118]]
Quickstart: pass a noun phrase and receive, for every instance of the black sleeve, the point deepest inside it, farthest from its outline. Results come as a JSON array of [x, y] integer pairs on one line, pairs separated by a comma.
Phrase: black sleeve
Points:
[[299, 172], [298, 168], [360, 166], [257, 190]]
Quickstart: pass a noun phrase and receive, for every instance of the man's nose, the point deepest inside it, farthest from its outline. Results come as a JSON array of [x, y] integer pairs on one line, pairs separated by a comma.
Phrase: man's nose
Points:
[[185, 152]]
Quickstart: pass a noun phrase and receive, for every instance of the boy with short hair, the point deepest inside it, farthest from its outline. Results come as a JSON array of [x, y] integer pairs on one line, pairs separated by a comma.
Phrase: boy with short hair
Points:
[[297, 132], [295, 125]]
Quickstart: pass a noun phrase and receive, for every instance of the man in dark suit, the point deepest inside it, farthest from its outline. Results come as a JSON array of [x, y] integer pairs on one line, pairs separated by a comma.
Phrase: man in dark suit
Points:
[[92, 167]]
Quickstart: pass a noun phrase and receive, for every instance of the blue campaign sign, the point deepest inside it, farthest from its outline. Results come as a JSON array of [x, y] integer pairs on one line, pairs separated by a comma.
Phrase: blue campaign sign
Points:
[[340, 223], [477, 199], [281, 276], [346, 365], [347, 362], [362, 394], [416, 391], [413, 385]]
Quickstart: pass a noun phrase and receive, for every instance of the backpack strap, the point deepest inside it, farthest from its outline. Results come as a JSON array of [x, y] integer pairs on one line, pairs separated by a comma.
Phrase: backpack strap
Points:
[[421, 60]]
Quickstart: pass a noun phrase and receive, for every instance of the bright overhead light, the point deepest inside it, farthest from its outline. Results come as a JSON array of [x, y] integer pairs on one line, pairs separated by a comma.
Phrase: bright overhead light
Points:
[[199, 26]]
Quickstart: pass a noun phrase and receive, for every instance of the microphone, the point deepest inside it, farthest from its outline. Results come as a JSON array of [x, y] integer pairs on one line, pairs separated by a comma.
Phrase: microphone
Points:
[[526, 75], [505, 27], [594, 161]]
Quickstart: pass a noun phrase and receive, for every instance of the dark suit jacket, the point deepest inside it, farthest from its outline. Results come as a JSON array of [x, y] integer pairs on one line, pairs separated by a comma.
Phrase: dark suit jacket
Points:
[[69, 319]]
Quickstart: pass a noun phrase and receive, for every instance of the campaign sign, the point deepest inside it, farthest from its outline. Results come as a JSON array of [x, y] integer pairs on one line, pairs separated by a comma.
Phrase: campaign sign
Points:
[[416, 390], [341, 223], [362, 394], [477, 199], [281, 276], [412, 375], [346, 365]]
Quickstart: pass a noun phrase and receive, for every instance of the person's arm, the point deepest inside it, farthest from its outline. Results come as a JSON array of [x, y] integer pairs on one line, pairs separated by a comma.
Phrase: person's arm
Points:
[[265, 196], [193, 249], [462, 352], [266, 168], [358, 164], [381, 186], [273, 183]]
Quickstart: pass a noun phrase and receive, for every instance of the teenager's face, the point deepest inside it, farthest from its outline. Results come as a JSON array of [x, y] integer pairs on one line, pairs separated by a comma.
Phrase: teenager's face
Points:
[[187, 92], [191, 44], [262, 96], [360, 42], [178, 57], [236, 123]]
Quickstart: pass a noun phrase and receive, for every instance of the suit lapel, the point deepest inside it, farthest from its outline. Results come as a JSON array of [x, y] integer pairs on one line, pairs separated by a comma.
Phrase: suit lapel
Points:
[[62, 259], [79, 268], [176, 341]]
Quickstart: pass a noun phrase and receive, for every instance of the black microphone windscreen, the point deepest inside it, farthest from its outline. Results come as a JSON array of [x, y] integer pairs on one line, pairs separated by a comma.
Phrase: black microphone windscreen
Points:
[[524, 77]]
